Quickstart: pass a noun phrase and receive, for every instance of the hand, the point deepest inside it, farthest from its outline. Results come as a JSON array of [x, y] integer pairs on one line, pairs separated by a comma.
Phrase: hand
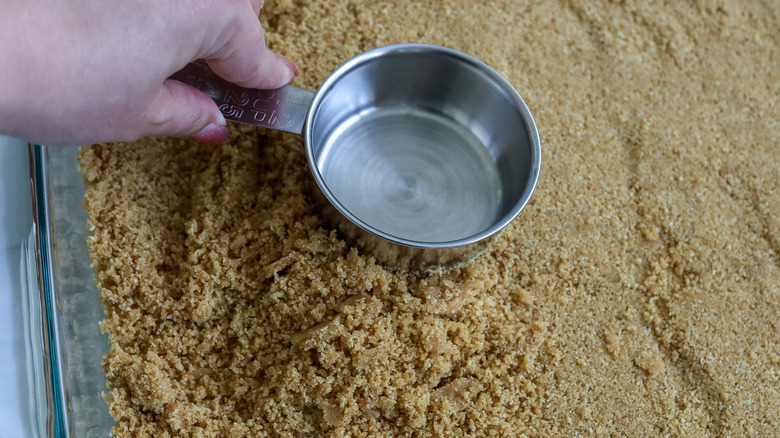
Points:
[[88, 71]]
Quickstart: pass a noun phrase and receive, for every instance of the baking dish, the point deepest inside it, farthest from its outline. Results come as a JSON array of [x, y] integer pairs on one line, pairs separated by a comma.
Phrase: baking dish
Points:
[[61, 307]]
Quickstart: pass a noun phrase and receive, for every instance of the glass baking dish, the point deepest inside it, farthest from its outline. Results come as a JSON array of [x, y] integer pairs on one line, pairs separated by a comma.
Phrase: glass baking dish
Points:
[[61, 307]]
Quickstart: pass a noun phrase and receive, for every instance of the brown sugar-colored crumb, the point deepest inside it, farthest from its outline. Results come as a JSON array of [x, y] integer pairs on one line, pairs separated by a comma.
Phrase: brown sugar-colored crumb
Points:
[[638, 294]]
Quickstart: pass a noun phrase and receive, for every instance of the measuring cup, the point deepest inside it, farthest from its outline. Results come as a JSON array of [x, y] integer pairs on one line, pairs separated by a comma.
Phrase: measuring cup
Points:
[[420, 153]]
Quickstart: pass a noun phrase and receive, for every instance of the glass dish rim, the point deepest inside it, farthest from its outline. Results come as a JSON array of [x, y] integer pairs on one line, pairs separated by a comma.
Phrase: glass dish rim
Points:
[[42, 281]]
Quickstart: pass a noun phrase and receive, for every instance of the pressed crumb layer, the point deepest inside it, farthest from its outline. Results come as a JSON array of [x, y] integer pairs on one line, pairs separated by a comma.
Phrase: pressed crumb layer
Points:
[[638, 294]]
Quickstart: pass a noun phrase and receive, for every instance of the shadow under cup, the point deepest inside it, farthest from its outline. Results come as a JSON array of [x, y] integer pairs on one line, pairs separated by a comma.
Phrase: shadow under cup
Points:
[[422, 153]]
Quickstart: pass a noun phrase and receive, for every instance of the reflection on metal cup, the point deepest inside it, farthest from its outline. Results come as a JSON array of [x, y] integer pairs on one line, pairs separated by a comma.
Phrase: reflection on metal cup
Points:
[[424, 153]]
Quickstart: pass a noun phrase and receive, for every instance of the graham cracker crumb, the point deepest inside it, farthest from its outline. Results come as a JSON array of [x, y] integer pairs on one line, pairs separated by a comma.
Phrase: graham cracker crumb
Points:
[[645, 269], [650, 363]]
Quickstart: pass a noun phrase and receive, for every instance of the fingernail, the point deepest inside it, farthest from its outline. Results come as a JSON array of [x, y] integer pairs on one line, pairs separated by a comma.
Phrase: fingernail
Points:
[[213, 134], [292, 68]]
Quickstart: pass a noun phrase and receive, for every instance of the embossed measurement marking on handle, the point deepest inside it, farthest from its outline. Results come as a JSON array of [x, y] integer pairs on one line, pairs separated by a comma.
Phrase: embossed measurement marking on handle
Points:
[[283, 109]]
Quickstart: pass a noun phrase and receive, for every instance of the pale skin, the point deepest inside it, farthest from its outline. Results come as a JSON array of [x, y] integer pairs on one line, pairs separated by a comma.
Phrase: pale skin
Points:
[[76, 72]]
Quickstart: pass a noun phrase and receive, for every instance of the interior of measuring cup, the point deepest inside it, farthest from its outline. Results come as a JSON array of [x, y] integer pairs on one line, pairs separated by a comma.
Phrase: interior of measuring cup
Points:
[[421, 147]]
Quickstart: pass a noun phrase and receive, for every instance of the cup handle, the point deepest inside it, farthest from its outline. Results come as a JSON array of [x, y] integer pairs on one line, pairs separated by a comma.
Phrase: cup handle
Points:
[[282, 109]]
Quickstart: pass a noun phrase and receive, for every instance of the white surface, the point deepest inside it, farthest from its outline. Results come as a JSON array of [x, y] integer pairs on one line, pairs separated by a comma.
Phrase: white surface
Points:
[[15, 223]]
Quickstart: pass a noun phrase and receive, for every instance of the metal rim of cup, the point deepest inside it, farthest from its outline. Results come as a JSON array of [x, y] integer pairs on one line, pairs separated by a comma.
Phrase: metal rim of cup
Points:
[[530, 127]]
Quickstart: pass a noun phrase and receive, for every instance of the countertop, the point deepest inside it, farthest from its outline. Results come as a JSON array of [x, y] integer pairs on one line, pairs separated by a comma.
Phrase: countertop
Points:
[[15, 223]]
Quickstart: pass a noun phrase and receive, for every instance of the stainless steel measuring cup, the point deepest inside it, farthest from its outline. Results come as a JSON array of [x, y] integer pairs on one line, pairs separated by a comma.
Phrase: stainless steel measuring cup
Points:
[[420, 153]]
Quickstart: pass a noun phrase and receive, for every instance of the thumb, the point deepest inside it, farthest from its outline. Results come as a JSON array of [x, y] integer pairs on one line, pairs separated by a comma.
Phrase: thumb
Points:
[[179, 110], [246, 60], [263, 69]]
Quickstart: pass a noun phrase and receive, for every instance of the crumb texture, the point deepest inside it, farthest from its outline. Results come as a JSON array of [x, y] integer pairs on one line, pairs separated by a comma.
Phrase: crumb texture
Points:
[[638, 294]]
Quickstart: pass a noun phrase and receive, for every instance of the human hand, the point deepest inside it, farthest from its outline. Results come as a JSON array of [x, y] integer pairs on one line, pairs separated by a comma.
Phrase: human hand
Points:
[[88, 71]]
